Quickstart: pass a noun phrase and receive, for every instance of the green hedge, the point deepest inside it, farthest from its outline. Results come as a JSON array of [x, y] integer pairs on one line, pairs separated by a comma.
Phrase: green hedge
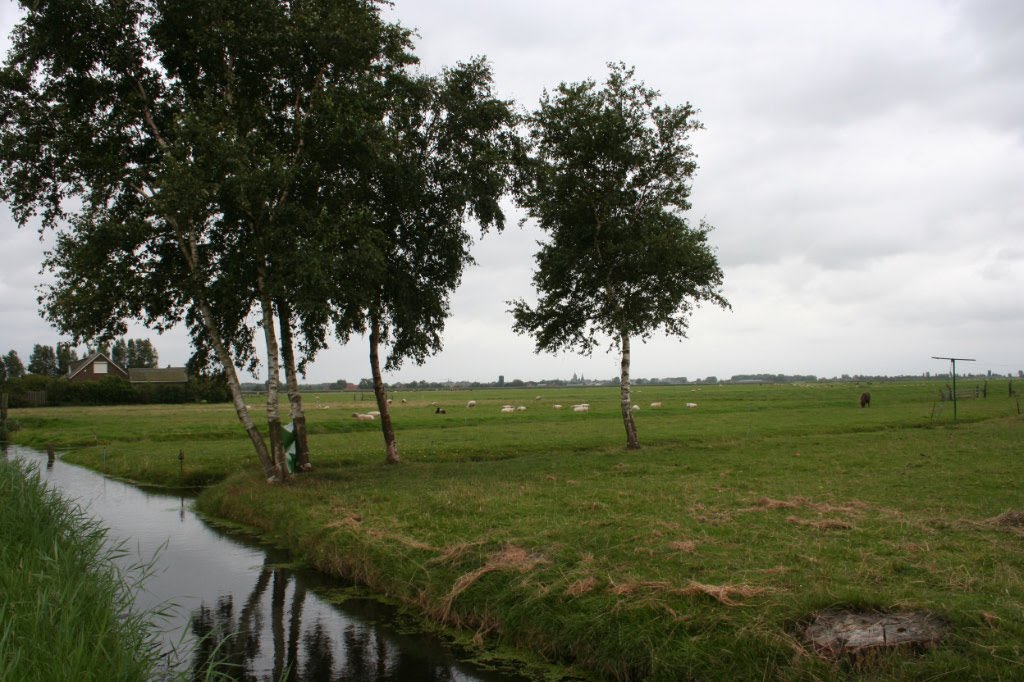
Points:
[[26, 392]]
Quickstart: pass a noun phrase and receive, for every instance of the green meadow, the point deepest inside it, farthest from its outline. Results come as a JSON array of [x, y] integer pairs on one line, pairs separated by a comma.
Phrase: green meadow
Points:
[[703, 555]]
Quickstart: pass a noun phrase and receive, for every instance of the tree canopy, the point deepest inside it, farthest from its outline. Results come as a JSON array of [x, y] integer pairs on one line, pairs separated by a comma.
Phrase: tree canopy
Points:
[[13, 367], [608, 180], [43, 361], [167, 142]]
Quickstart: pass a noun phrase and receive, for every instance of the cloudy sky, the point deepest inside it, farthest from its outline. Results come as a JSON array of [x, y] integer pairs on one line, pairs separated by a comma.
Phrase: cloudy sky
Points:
[[862, 163]]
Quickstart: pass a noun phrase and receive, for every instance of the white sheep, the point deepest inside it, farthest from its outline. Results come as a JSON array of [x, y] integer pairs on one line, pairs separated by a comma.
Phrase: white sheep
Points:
[[581, 408], [655, 405], [363, 417], [508, 408], [471, 403], [635, 408], [557, 407], [521, 408], [375, 413], [691, 405]]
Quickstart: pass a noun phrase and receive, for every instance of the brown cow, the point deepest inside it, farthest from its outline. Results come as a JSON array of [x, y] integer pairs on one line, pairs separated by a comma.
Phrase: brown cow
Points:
[[865, 400]]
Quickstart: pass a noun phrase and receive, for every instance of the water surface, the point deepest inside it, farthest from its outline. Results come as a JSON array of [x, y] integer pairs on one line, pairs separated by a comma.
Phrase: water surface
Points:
[[234, 600]]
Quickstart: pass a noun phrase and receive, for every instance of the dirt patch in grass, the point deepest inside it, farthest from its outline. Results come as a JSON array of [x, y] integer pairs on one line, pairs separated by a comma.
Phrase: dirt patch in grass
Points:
[[835, 633], [688, 546]]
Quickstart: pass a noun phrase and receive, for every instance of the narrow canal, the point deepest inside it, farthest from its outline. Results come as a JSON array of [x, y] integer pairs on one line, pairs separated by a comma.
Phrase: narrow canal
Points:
[[232, 600]]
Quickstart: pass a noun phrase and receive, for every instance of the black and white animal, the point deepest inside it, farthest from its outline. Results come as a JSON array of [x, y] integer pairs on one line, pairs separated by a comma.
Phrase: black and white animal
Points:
[[865, 400], [440, 410]]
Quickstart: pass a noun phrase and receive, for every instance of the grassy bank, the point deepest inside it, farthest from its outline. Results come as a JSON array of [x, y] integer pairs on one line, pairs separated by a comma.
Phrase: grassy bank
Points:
[[700, 556], [64, 610]]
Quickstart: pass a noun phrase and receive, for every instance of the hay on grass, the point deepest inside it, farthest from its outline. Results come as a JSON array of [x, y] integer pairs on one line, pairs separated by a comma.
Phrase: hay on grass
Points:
[[821, 524], [510, 558], [724, 594]]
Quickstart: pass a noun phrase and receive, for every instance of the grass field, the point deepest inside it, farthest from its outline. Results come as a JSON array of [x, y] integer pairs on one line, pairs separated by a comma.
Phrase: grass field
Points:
[[701, 556]]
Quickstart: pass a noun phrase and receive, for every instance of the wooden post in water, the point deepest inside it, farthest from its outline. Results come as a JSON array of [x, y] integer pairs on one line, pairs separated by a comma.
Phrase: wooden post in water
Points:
[[50, 456]]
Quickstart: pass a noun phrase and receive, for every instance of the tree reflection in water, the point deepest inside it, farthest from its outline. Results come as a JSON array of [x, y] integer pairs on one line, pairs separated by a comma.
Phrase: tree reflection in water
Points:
[[233, 645]]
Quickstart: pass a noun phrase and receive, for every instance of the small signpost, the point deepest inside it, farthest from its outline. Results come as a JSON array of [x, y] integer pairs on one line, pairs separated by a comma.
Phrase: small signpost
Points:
[[953, 360]]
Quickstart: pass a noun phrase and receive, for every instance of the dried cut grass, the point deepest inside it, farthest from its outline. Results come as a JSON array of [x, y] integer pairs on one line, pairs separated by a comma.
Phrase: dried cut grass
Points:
[[1008, 520], [800, 502], [510, 558], [724, 594], [581, 587], [453, 553], [822, 524], [688, 546]]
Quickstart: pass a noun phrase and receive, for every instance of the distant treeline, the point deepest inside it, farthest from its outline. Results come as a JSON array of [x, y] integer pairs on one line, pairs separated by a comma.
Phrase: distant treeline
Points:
[[365, 385], [33, 390]]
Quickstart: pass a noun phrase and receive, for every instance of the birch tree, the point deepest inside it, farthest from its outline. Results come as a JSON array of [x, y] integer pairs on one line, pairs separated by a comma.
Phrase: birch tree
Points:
[[447, 157], [608, 180], [161, 140]]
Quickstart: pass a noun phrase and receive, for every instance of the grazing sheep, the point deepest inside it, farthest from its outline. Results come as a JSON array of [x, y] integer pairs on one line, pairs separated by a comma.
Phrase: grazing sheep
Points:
[[691, 405], [404, 401], [508, 408], [390, 401], [521, 408], [471, 403], [363, 417], [557, 407], [581, 408], [655, 405], [537, 398], [865, 400], [440, 410], [375, 413], [635, 408]]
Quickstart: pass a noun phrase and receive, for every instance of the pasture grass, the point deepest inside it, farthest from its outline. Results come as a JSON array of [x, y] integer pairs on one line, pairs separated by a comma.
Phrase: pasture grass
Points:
[[65, 609], [701, 556]]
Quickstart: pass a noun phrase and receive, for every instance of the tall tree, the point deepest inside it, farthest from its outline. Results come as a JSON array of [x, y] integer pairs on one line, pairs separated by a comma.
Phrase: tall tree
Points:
[[65, 356], [448, 155], [179, 128], [608, 179], [3, 370], [121, 352], [43, 361], [13, 365]]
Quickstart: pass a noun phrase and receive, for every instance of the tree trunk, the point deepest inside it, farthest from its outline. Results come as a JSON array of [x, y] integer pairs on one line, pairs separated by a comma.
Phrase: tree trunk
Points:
[[292, 379], [236, 393], [632, 442], [190, 250], [382, 398], [273, 380]]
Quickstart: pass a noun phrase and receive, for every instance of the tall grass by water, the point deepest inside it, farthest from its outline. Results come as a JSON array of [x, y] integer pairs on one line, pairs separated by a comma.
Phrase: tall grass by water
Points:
[[702, 556], [65, 609]]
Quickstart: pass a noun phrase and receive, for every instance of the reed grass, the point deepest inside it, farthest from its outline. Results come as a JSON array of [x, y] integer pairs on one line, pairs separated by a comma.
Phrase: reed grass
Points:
[[65, 607]]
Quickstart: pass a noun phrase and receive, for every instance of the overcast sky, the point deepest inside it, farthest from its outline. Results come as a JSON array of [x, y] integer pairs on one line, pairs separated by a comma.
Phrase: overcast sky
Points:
[[862, 163]]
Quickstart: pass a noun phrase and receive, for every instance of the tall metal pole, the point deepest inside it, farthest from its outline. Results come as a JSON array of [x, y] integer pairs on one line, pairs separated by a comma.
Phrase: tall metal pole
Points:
[[953, 360]]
